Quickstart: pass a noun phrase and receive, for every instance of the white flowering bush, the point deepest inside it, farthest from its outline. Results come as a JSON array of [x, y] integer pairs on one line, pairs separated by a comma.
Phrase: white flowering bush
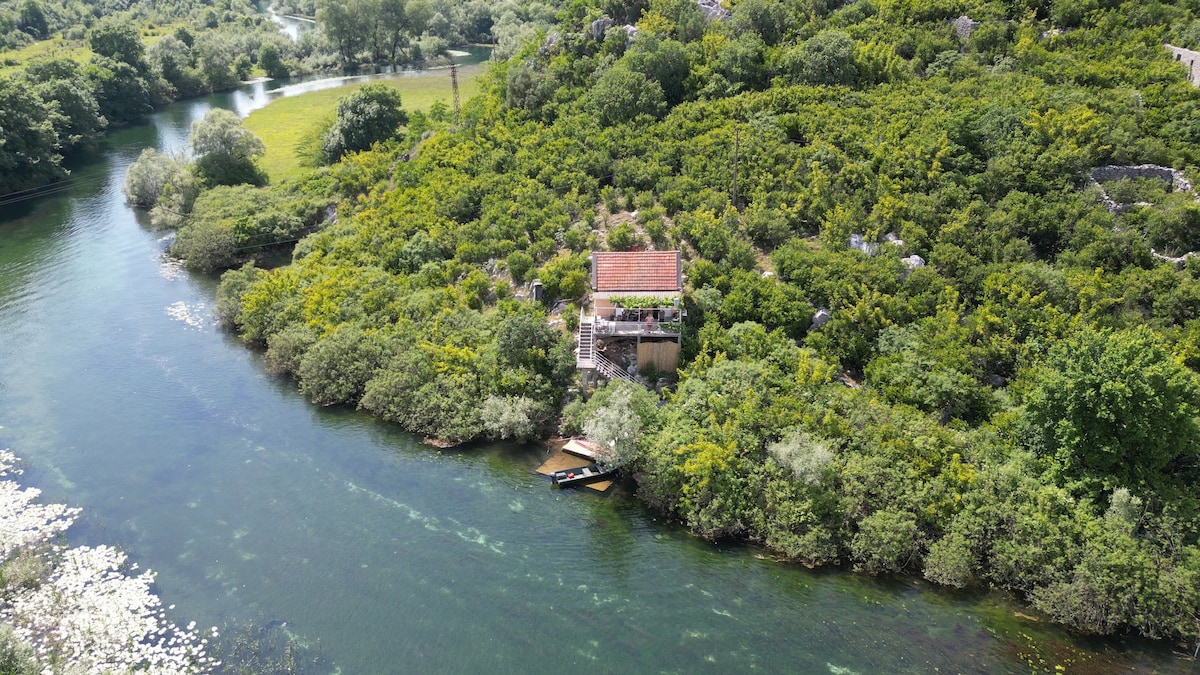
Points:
[[91, 611]]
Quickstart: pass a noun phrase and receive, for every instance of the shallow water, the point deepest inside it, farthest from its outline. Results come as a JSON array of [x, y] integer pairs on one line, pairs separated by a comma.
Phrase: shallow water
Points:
[[256, 507]]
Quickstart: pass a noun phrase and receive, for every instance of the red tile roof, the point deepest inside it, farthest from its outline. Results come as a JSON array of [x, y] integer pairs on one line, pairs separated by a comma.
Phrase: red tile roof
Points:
[[637, 271]]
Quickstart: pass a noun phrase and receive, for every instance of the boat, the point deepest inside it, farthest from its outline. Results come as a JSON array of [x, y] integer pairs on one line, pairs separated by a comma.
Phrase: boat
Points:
[[580, 475]]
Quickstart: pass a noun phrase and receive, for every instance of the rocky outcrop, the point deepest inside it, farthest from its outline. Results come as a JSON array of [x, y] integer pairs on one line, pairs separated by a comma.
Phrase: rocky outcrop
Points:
[[713, 11], [599, 26], [964, 26]]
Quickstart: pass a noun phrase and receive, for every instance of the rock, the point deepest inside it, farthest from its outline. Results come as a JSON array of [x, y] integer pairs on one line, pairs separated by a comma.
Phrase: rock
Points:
[[713, 11], [599, 26], [819, 319], [859, 244], [964, 26], [913, 261], [630, 33]]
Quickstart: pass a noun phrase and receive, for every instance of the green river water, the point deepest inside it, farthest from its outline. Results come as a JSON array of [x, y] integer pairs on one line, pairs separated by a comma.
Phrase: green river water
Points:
[[383, 555]]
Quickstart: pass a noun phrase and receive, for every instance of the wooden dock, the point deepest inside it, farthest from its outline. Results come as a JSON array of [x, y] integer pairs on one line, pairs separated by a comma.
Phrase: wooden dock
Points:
[[581, 447], [561, 461]]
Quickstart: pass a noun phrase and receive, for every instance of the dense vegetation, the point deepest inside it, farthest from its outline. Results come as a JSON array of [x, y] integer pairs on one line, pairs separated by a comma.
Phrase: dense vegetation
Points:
[[1027, 413], [74, 70], [97, 73]]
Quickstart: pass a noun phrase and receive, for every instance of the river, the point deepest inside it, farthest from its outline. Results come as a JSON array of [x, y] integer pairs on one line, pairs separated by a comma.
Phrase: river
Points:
[[380, 554]]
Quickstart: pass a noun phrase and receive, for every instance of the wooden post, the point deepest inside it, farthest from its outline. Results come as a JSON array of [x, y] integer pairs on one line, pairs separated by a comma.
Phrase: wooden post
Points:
[[454, 85]]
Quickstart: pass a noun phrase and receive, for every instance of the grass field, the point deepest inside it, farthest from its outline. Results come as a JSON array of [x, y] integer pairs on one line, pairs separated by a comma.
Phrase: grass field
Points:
[[290, 123], [77, 50]]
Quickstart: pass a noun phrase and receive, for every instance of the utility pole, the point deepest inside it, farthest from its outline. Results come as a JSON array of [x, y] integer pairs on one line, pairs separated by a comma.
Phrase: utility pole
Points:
[[454, 85], [736, 139]]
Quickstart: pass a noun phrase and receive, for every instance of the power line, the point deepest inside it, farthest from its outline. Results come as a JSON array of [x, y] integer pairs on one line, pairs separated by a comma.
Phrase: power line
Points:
[[49, 190]]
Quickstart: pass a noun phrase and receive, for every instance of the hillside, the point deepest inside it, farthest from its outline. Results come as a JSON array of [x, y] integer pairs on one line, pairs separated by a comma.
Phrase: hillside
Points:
[[1026, 338]]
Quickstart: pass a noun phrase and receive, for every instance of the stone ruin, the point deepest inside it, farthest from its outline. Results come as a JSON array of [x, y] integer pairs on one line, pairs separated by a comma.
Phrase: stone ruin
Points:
[[1103, 174], [1188, 58], [1172, 177]]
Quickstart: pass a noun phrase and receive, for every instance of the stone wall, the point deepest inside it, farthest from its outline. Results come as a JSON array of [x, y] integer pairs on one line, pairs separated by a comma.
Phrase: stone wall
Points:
[[1190, 60], [1172, 177], [1103, 174]]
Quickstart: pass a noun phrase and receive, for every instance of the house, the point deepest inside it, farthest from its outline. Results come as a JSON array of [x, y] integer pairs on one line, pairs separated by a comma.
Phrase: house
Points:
[[636, 304]]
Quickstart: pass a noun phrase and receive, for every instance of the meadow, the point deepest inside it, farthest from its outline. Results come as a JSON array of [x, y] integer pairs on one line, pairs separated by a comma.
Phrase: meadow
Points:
[[291, 126]]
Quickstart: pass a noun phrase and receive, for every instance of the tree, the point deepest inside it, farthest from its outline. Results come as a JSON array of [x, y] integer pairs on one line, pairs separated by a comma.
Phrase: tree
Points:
[[621, 95], [338, 366], [518, 418], [825, 58], [171, 58], [1116, 407], [28, 145], [206, 245], [242, 67], [148, 177], [347, 24], [270, 61], [120, 90], [618, 416], [661, 61], [370, 115], [225, 151], [215, 59], [78, 119], [33, 20], [119, 41]]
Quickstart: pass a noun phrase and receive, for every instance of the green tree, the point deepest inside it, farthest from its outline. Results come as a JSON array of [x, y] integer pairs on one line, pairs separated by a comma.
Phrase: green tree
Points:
[[171, 58], [370, 115], [118, 40], [242, 67], [120, 90], [287, 348], [518, 418], [32, 20], [662, 61], [618, 417], [215, 57], [271, 61], [149, 177], [825, 58], [229, 294], [225, 151], [347, 24], [28, 145], [338, 366], [77, 119], [622, 95], [1116, 407]]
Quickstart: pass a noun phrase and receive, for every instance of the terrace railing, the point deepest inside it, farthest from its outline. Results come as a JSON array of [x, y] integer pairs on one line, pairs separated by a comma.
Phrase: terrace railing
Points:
[[651, 328]]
